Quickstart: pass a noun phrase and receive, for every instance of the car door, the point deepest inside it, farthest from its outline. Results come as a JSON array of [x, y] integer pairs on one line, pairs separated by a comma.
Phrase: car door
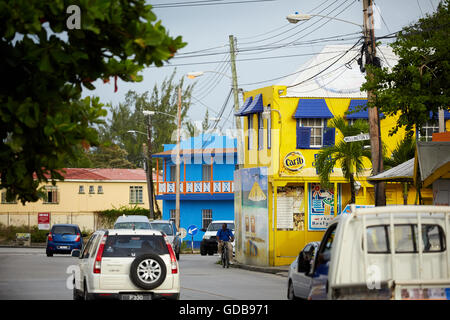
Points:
[[319, 285], [305, 278], [297, 275], [83, 261]]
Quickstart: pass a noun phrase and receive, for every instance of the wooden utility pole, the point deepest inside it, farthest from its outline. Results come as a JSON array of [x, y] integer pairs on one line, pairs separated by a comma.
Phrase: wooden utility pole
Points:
[[177, 174], [150, 169], [374, 117], [240, 149]]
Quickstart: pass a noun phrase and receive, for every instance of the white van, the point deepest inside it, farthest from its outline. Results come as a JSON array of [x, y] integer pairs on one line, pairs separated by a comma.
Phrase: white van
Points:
[[209, 241], [378, 253]]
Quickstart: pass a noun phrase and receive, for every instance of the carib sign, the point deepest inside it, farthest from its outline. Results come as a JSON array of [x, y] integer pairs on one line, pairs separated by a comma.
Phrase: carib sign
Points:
[[294, 161]]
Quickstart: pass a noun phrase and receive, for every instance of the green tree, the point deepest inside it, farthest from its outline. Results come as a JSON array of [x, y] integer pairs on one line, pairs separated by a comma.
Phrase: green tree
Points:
[[404, 151], [111, 156], [419, 83], [45, 65], [349, 156]]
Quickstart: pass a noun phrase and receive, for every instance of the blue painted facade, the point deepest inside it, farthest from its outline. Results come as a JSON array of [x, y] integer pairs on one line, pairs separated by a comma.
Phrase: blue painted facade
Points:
[[202, 190]]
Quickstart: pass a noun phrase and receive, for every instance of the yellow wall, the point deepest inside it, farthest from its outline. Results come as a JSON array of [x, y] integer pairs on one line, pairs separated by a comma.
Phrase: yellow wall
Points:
[[74, 207], [284, 246]]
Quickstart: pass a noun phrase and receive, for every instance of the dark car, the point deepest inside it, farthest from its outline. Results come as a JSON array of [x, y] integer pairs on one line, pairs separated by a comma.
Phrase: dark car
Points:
[[63, 238]]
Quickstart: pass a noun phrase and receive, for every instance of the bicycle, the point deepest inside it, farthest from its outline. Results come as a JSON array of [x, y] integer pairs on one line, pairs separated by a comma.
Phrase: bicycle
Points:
[[225, 257]]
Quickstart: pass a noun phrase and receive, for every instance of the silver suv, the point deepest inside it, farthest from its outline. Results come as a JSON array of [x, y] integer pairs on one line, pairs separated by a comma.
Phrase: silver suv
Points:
[[127, 265]]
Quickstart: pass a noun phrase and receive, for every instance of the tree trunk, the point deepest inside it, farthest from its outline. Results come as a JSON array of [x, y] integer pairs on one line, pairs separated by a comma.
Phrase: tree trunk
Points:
[[352, 189]]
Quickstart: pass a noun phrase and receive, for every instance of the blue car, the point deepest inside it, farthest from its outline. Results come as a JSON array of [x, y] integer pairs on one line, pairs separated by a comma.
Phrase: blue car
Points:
[[63, 238]]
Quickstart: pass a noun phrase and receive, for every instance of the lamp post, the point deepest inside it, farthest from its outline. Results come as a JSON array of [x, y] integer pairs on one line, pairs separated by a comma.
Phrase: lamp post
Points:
[[373, 112], [149, 171]]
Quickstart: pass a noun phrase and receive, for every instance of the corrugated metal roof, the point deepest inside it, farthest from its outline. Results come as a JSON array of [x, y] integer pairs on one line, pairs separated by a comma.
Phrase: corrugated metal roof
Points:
[[402, 172], [255, 107], [432, 156], [104, 174], [342, 77], [246, 104], [312, 108]]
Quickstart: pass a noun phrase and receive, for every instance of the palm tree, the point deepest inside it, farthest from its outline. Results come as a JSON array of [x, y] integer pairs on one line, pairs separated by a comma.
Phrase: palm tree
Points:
[[404, 151], [349, 155]]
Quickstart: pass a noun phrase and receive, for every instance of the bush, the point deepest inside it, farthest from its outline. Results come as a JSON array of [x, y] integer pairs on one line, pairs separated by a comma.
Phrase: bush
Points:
[[8, 234], [108, 217]]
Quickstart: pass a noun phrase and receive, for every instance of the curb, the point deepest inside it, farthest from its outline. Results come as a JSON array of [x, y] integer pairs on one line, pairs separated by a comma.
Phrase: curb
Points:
[[272, 270]]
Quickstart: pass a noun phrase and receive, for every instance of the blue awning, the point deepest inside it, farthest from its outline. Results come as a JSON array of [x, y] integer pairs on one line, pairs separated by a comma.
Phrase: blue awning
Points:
[[255, 107], [247, 103], [361, 114], [312, 108]]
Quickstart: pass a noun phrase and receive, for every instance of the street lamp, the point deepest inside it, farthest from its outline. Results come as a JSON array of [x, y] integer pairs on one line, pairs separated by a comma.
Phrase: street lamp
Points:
[[296, 17], [195, 74]]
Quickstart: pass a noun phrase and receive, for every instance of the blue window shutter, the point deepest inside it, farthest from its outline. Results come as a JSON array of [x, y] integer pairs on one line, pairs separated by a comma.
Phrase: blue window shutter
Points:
[[303, 137], [328, 136]]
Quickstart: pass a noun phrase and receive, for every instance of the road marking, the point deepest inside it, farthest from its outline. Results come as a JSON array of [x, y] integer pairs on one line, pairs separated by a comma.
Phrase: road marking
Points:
[[209, 293]]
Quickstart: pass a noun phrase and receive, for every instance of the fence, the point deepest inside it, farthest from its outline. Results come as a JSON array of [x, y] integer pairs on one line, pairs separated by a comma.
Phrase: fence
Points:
[[87, 221]]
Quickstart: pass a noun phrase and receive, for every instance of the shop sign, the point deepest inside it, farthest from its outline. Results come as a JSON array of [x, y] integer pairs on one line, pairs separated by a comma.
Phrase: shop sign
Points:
[[294, 161]]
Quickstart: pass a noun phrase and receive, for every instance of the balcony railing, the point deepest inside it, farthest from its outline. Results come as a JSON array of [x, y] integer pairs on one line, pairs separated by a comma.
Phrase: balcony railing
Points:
[[195, 187]]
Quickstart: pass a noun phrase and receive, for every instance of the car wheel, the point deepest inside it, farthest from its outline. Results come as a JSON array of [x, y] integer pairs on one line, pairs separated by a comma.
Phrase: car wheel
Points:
[[76, 295], [86, 295], [203, 250], [290, 292], [177, 255], [148, 271], [49, 254]]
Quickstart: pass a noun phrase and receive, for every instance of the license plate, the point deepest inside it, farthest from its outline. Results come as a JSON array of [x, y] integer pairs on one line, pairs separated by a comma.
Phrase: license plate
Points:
[[136, 297], [63, 247]]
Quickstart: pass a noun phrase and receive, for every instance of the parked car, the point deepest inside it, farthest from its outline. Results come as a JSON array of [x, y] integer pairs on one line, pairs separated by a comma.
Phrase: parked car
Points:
[[170, 230], [127, 264], [299, 275], [378, 253], [63, 238], [209, 241], [133, 221]]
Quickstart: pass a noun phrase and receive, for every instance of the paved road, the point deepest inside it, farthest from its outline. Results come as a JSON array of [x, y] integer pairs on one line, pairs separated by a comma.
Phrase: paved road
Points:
[[27, 273]]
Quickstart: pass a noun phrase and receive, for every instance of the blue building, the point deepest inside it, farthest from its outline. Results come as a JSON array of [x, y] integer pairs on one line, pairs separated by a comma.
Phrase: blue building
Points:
[[206, 181]]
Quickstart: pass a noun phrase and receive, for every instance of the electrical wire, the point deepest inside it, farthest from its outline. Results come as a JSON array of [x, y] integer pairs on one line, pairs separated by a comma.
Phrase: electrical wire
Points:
[[203, 3]]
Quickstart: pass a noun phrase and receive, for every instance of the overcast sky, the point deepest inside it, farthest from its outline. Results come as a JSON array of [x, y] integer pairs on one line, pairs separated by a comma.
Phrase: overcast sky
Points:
[[263, 35]]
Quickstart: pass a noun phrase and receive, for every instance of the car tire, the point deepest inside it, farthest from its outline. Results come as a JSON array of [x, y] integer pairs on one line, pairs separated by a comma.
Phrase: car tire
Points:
[[148, 266], [86, 295], [76, 295], [202, 250], [290, 292], [177, 255], [49, 254]]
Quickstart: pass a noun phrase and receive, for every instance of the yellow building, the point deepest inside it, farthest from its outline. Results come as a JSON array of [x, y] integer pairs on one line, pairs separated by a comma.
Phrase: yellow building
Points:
[[79, 196], [292, 208]]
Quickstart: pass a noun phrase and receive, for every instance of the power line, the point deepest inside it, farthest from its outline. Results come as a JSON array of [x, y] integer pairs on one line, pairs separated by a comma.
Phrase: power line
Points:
[[202, 3]]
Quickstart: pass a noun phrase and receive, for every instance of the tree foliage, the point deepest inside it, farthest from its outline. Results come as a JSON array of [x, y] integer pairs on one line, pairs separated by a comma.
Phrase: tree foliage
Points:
[[129, 116], [45, 65], [419, 83]]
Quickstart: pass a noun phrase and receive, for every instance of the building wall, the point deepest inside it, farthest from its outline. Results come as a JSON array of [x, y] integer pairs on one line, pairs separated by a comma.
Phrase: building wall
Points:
[[284, 245], [191, 213]]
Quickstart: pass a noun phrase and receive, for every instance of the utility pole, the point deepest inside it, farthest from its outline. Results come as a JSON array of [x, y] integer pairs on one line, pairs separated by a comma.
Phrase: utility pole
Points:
[[374, 117], [177, 174], [240, 149], [150, 169]]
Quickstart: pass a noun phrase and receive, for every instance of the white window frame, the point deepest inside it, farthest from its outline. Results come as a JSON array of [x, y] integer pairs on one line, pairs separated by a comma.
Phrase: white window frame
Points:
[[429, 125], [206, 217], [306, 122], [55, 195], [136, 194], [81, 189], [100, 189]]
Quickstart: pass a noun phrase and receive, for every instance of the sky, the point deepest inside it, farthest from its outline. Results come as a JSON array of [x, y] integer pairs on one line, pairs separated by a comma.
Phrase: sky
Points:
[[268, 46]]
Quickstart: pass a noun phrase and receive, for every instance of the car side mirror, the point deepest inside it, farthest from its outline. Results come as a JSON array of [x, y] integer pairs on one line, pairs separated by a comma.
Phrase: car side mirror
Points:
[[84, 234], [76, 253], [203, 229], [304, 264]]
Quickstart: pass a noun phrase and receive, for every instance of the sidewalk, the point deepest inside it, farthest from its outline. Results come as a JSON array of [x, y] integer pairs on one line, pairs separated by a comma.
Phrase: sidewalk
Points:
[[279, 270]]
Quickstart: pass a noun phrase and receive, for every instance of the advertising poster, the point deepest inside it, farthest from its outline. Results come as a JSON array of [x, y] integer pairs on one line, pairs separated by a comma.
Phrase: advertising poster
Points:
[[291, 208], [254, 216], [44, 220], [321, 206]]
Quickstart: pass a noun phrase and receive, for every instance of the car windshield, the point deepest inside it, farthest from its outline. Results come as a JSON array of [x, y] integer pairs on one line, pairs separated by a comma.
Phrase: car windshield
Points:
[[218, 226], [64, 230], [129, 225], [133, 245], [163, 227]]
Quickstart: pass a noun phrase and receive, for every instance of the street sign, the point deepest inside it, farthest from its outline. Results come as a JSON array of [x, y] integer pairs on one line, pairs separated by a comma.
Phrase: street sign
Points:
[[183, 233], [44, 220], [348, 210], [359, 137], [192, 230]]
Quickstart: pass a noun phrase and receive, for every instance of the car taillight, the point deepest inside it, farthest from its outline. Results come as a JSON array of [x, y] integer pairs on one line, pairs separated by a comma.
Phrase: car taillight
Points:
[[77, 239], [173, 259], [98, 258], [50, 237]]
